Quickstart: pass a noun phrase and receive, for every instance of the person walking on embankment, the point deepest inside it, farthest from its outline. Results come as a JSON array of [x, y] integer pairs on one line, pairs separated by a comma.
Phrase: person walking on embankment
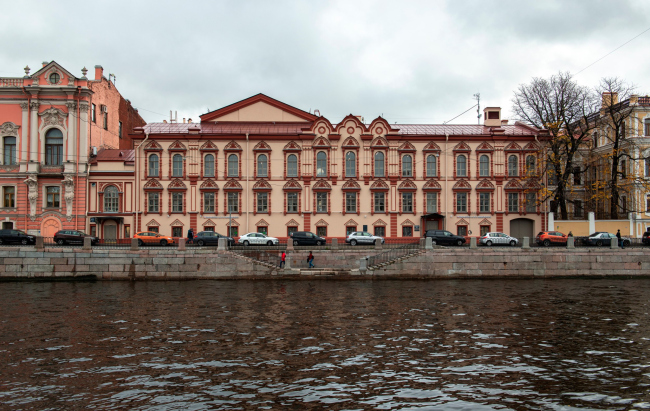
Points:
[[620, 241], [310, 260], [282, 259]]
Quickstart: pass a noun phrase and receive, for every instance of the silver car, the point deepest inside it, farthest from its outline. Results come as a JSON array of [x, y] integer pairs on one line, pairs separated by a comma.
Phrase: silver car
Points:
[[490, 239], [362, 237], [257, 239]]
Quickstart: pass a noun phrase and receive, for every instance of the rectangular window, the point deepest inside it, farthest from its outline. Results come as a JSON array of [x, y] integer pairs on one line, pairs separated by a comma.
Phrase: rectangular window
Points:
[[105, 121], [513, 202], [209, 228], [233, 203], [208, 202], [321, 202], [9, 195], [380, 202], [380, 231], [350, 202], [531, 202], [152, 229], [484, 229], [53, 194], [9, 151], [647, 204], [432, 203], [234, 231], [484, 202], [624, 205], [407, 231], [321, 231], [461, 202], [120, 130], [577, 208], [262, 202], [177, 231], [577, 178], [93, 113], [350, 229], [462, 230], [646, 127], [623, 169], [291, 230], [93, 230], [263, 230], [127, 231], [154, 200], [54, 151], [647, 167], [407, 202], [177, 202], [292, 202]]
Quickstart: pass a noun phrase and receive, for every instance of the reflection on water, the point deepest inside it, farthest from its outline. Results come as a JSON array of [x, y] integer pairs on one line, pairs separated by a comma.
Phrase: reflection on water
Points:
[[474, 345]]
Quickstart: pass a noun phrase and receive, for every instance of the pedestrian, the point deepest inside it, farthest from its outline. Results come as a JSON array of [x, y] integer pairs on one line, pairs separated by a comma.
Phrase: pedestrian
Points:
[[282, 259], [620, 241], [310, 260], [570, 234], [190, 236]]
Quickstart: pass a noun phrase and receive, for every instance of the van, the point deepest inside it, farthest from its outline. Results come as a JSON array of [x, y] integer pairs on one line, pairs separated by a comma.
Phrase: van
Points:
[[306, 238]]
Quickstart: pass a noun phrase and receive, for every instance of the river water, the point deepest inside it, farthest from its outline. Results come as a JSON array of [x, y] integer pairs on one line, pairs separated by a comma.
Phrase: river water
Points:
[[570, 344]]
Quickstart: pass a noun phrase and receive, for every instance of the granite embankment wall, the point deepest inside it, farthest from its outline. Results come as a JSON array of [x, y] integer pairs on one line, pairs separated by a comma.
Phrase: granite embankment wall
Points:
[[171, 264]]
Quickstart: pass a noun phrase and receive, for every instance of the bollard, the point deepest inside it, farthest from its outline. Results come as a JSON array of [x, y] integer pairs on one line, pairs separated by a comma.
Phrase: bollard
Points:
[[526, 243], [377, 244], [39, 243], [135, 245], [287, 262], [290, 244], [428, 243], [363, 265], [613, 243], [570, 243], [181, 244], [472, 242], [335, 243], [223, 242], [87, 243]]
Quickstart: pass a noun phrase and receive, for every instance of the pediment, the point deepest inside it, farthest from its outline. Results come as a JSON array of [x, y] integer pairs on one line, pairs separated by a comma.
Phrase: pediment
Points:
[[153, 184], [321, 223], [232, 146], [292, 223], [462, 185], [512, 147], [431, 146], [177, 223], [152, 145], [379, 185], [153, 223], [379, 142], [209, 146], [232, 185], [259, 108], [513, 185], [262, 223], [431, 185], [262, 146], [407, 222], [485, 147], [209, 184], [292, 146], [321, 185], [350, 142], [406, 147], [209, 223], [485, 221], [321, 142], [462, 221], [53, 67], [177, 146], [462, 146], [292, 185], [351, 223], [177, 184], [380, 223], [262, 185], [531, 147], [407, 185], [351, 185], [485, 185]]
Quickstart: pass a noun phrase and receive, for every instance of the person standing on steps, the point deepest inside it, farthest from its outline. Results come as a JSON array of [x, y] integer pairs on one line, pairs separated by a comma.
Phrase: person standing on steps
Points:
[[310, 260], [190, 236], [282, 259], [620, 241]]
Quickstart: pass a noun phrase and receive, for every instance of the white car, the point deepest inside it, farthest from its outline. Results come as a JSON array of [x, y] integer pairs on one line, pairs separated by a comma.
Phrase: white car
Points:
[[362, 237], [490, 239], [257, 239]]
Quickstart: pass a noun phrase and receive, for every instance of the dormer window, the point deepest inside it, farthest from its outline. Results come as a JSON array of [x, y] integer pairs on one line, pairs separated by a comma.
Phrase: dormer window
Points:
[[493, 115], [54, 78]]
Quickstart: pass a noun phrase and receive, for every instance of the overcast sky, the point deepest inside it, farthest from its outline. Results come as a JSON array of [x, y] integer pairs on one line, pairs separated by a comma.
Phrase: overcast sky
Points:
[[410, 61]]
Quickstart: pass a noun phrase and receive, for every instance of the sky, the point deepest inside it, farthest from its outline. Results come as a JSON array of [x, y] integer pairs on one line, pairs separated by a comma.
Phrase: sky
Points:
[[412, 62]]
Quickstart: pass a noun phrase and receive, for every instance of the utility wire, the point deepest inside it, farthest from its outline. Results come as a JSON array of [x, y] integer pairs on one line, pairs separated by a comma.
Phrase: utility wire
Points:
[[460, 114], [638, 35]]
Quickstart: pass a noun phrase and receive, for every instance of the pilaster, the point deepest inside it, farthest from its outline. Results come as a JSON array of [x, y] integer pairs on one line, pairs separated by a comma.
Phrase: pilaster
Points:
[[34, 150]]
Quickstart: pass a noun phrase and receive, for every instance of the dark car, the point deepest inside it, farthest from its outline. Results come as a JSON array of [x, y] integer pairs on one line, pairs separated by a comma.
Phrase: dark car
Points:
[[306, 238], [646, 238], [600, 239], [73, 237], [444, 237], [211, 238], [16, 237]]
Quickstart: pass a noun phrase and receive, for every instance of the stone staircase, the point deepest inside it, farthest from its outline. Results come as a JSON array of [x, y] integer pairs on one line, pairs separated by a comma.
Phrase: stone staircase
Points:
[[252, 260], [412, 254], [324, 272]]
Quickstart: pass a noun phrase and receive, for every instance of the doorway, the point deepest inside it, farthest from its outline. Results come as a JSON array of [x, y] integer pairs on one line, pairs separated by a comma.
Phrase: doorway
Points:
[[110, 231], [522, 227]]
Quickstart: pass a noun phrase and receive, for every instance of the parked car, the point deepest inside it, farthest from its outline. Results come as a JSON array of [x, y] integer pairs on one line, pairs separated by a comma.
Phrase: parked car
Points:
[[211, 238], [62, 237], [306, 238], [490, 239], [16, 237], [362, 237], [444, 237], [546, 238], [646, 238], [600, 239], [150, 238], [257, 239]]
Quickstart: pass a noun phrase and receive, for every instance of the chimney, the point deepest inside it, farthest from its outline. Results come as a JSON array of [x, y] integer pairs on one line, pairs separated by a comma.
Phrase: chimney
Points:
[[504, 122], [189, 120], [609, 99], [164, 121], [492, 116], [634, 100], [183, 120], [99, 72], [45, 63]]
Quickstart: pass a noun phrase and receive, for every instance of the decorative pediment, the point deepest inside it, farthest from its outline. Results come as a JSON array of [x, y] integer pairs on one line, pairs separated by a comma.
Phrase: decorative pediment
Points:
[[407, 185], [431, 146], [177, 184], [322, 126], [292, 223], [351, 185], [379, 142], [232, 146], [53, 117], [321, 185], [379, 185], [153, 223], [462, 221], [407, 222], [484, 146], [232, 185], [259, 108], [350, 124], [532, 146], [462, 146], [485, 221], [350, 142], [209, 223], [485, 185], [152, 145], [321, 223], [462, 185], [232, 223], [262, 223], [262, 146], [177, 223], [431, 185], [9, 129], [513, 185], [532, 185], [292, 185], [512, 147], [380, 223], [351, 223], [209, 184], [209, 146], [379, 126], [292, 146], [177, 146], [321, 142], [406, 147], [262, 185], [153, 185]]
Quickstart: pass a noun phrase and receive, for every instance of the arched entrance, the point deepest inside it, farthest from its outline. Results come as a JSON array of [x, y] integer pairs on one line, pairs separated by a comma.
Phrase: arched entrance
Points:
[[50, 226], [522, 227]]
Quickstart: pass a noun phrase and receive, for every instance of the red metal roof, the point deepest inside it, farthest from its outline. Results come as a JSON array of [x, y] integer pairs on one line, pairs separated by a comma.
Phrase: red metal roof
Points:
[[455, 130], [114, 155]]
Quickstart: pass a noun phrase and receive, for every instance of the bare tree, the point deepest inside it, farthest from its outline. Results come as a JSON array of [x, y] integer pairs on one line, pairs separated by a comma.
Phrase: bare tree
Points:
[[561, 106]]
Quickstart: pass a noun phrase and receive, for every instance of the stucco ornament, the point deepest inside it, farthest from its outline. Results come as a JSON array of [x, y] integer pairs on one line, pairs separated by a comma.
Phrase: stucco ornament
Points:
[[9, 129], [53, 116], [68, 183], [32, 196]]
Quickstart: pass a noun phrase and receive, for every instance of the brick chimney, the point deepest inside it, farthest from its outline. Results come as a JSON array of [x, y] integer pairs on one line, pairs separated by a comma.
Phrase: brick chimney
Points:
[[45, 63], [609, 99], [492, 116], [99, 72]]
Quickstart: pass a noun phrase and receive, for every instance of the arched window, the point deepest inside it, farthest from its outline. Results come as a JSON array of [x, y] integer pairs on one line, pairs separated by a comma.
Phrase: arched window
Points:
[[262, 166], [321, 164], [350, 164], [208, 166], [432, 166], [153, 165], [379, 164], [407, 166], [292, 165], [111, 200], [233, 165], [9, 150], [54, 78], [530, 165], [461, 166], [54, 147], [512, 166], [177, 165], [484, 166]]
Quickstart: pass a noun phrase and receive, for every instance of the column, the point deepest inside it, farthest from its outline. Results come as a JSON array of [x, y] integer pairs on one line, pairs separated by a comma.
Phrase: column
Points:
[[551, 222], [71, 147], [592, 222], [83, 134], [34, 147], [23, 147]]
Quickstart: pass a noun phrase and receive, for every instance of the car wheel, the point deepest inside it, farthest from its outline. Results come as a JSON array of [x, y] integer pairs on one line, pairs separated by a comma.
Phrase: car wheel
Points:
[[459, 242], [60, 241], [433, 242], [295, 242], [1, 241], [271, 242], [140, 243], [353, 242], [513, 243], [200, 243], [163, 243], [546, 243], [488, 243], [320, 243], [599, 243], [626, 243], [23, 242], [246, 243]]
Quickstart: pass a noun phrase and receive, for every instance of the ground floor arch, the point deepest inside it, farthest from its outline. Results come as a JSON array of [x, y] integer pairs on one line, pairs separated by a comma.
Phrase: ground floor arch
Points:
[[522, 227], [50, 226]]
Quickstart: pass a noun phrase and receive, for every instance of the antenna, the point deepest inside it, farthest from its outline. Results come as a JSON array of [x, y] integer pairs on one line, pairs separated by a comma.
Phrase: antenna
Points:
[[477, 96]]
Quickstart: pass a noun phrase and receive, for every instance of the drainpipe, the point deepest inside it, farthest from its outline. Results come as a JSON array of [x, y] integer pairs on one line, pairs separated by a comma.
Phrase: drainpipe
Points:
[[29, 128], [137, 180], [247, 182], [446, 178]]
